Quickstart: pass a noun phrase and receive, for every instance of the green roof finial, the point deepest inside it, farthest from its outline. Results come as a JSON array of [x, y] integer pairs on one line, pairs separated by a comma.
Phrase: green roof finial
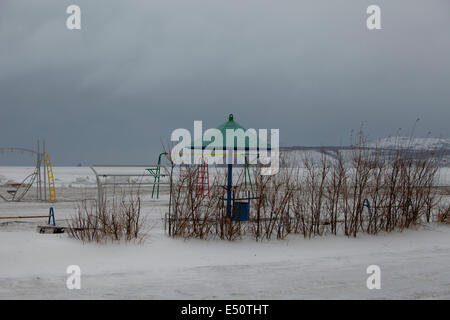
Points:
[[230, 117]]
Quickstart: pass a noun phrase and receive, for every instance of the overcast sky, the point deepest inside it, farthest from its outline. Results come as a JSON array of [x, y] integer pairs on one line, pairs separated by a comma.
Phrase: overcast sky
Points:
[[112, 91]]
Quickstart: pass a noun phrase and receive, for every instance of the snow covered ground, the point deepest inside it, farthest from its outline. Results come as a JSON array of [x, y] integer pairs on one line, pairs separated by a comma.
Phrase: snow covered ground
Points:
[[415, 264]]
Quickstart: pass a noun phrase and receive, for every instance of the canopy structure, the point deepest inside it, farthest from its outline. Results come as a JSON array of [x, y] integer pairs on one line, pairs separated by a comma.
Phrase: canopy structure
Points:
[[250, 143]]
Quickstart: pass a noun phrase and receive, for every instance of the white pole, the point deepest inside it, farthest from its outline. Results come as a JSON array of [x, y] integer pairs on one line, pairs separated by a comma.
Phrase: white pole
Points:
[[45, 170], [38, 167]]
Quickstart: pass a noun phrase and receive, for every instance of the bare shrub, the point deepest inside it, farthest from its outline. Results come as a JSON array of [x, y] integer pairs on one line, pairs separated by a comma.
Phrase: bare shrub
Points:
[[370, 190], [334, 192], [443, 215], [117, 219], [272, 212]]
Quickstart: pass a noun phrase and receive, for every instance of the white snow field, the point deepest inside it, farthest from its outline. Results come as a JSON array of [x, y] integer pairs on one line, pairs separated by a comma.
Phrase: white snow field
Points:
[[415, 264]]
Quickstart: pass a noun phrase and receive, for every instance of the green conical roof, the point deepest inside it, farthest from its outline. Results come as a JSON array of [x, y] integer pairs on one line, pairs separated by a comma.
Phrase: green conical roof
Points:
[[230, 124], [250, 144]]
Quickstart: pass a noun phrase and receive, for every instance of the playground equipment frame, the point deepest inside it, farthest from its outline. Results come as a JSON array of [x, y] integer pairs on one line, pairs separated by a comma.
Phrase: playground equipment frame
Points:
[[39, 177], [50, 216], [153, 171]]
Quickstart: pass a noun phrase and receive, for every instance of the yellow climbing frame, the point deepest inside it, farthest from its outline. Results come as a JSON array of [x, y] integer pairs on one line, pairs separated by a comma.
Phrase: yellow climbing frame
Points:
[[50, 178]]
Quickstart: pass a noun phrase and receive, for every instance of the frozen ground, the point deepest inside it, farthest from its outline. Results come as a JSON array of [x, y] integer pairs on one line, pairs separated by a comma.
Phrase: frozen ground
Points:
[[415, 264]]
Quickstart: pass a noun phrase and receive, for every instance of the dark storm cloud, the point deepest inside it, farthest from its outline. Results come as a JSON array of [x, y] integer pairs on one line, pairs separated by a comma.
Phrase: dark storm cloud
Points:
[[139, 69]]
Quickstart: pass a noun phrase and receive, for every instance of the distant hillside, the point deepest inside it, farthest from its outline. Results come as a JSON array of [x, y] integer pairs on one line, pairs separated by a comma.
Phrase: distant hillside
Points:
[[412, 143], [413, 147]]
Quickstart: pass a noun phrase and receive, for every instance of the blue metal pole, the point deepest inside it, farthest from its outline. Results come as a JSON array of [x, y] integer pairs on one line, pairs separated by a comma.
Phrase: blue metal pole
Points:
[[230, 183], [51, 215]]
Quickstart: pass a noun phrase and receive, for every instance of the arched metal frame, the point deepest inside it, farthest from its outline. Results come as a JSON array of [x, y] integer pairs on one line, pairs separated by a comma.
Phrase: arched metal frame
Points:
[[41, 193]]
